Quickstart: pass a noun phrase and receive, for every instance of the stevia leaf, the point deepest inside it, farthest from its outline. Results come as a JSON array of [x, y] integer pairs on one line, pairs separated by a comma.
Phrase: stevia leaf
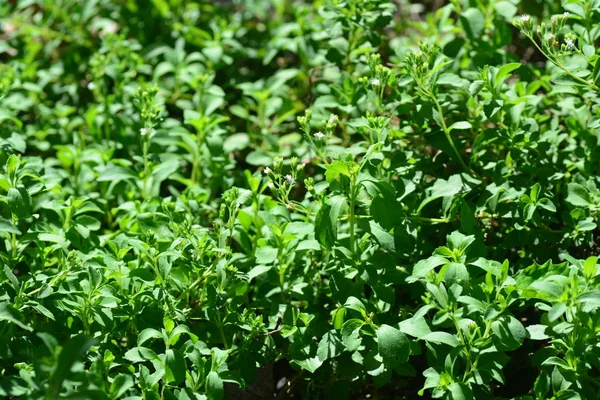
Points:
[[214, 386], [326, 222], [174, 367], [442, 337], [330, 346], [75, 348], [393, 345]]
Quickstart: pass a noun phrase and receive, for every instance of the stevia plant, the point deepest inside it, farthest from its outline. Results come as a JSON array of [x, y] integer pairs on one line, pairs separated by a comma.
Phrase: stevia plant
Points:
[[328, 199]]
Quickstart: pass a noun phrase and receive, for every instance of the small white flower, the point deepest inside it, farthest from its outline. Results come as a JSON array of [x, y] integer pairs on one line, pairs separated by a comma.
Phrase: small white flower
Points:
[[566, 14], [332, 119], [110, 28], [570, 44], [319, 135], [525, 18], [267, 170], [288, 206], [91, 86], [375, 82], [551, 37], [288, 178], [144, 131], [270, 185]]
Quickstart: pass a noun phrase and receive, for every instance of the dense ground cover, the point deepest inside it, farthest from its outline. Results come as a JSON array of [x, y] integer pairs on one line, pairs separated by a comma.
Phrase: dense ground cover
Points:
[[307, 199]]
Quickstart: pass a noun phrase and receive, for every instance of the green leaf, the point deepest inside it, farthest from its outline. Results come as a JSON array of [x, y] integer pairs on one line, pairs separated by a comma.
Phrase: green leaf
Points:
[[393, 345], [509, 333], [555, 361], [214, 386], [337, 168], [338, 317], [120, 385], [461, 125], [19, 202], [351, 334], [309, 364], [330, 346], [444, 188], [12, 278], [442, 337], [8, 313], [73, 350], [547, 204], [237, 141], [504, 71], [422, 268], [326, 221], [175, 367], [566, 80], [355, 304], [537, 332], [589, 267], [473, 22], [590, 298], [460, 242], [258, 270], [578, 195], [116, 173], [147, 334], [7, 227], [557, 311], [460, 391], [416, 327], [384, 238], [266, 255]]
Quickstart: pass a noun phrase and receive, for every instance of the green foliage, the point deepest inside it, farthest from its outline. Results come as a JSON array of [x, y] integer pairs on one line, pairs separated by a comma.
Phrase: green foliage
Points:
[[307, 199]]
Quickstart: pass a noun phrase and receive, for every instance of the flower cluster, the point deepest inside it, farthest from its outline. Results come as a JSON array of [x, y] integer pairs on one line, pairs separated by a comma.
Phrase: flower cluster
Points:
[[549, 36], [282, 178], [419, 65]]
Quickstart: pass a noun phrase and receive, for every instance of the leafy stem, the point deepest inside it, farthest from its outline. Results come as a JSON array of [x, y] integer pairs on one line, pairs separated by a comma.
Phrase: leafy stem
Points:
[[558, 64], [351, 212], [440, 111]]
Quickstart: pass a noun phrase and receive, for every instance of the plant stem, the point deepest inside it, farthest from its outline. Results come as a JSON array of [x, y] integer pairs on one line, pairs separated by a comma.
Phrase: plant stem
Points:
[[145, 146], [223, 338], [562, 67], [430, 220], [351, 216], [447, 132], [13, 246]]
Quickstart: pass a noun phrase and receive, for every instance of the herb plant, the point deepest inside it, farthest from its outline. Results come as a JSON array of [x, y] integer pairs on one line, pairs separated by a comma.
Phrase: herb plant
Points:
[[299, 199]]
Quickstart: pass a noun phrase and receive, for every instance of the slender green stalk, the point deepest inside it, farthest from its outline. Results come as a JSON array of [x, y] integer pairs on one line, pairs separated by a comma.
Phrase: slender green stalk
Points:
[[351, 215], [447, 131], [562, 67]]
